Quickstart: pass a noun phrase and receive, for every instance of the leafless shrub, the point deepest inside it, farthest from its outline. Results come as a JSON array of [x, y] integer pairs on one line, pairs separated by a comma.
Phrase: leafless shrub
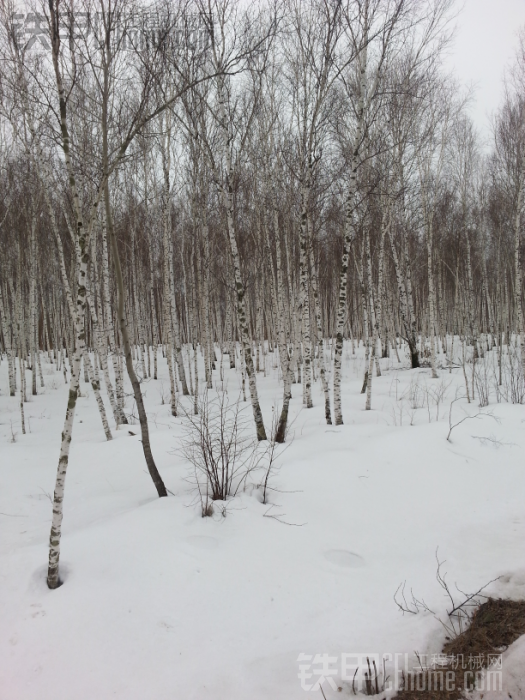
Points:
[[416, 394], [482, 378], [409, 402], [459, 610], [46, 495], [372, 682], [132, 417], [436, 394], [397, 410], [269, 468], [269, 456], [513, 385], [413, 605], [479, 414], [279, 517], [493, 441], [162, 392], [206, 504], [219, 445], [463, 362]]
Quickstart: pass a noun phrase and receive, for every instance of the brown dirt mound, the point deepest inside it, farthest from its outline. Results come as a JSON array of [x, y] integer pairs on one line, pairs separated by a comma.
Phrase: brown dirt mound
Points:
[[494, 626]]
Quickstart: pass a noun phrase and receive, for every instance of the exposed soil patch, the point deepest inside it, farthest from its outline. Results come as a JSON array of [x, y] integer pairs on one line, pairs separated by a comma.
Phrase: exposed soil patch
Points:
[[494, 626]]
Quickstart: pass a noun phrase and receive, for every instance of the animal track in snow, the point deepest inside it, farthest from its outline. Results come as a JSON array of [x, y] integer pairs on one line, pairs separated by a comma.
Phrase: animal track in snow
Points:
[[202, 541], [343, 557]]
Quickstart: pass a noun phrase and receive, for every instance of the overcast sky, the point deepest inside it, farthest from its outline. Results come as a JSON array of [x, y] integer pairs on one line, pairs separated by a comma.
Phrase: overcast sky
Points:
[[485, 44]]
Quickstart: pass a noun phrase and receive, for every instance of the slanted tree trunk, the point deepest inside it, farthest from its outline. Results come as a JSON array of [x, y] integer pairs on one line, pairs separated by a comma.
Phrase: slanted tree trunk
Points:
[[137, 393]]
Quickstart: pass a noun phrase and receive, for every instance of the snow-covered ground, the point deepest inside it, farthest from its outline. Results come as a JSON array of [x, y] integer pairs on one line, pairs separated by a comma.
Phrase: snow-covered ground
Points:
[[159, 603]]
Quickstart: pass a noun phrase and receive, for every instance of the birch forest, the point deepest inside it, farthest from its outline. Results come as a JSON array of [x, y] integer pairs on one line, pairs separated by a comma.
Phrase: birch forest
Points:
[[216, 191]]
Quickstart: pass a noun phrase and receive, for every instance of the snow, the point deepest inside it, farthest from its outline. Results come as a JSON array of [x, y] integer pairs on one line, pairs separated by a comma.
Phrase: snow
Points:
[[161, 603]]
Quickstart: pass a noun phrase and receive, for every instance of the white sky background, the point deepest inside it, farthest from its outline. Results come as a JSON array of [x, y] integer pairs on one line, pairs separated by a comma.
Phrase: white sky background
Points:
[[485, 44]]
